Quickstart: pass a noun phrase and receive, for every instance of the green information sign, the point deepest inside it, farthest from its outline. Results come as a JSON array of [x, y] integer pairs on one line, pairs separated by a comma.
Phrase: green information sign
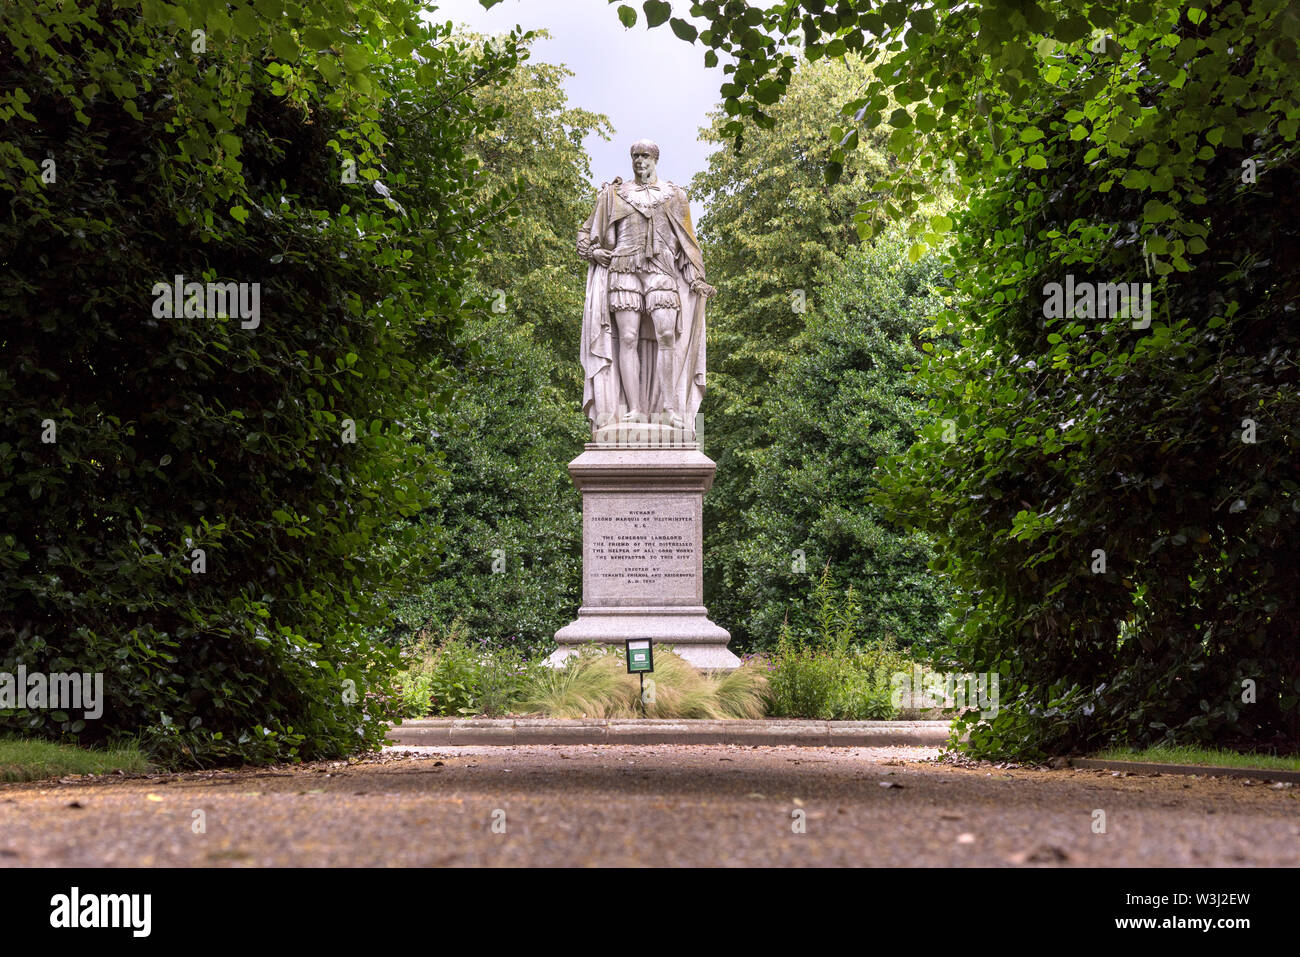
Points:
[[640, 656]]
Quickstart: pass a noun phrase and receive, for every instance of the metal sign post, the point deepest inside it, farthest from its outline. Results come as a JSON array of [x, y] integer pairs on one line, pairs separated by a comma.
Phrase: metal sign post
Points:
[[640, 661]]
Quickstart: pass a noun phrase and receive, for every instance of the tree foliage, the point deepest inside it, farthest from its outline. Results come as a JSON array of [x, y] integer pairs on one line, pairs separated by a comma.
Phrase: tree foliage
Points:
[[505, 518], [537, 147], [190, 501], [1123, 501], [843, 399], [1112, 142], [955, 80], [777, 237], [773, 226]]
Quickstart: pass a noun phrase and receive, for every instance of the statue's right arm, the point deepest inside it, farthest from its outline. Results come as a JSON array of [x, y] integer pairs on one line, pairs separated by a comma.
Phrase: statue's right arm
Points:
[[586, 242], [589, 245], [590, 249]]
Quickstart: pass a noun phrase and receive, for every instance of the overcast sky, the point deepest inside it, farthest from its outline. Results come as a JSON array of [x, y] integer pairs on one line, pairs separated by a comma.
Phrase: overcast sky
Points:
[[648, 82]]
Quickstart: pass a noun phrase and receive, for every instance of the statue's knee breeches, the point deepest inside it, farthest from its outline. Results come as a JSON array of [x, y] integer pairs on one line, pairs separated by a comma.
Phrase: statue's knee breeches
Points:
[[660, 292], [624, 300], [624, 292], [634, 292]]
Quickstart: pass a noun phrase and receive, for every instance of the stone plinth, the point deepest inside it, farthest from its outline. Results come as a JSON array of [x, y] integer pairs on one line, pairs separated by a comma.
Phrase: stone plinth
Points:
[[643, 552]]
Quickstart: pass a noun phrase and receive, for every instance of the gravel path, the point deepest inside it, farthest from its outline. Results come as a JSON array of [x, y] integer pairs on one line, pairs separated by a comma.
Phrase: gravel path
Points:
[[663, 805]]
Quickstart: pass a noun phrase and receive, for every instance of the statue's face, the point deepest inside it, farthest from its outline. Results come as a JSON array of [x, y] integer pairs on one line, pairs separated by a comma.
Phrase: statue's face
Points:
[[644, 165]]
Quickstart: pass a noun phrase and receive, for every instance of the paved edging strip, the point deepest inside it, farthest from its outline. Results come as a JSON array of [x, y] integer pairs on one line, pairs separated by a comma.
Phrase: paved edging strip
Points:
[[434, 732], [1205, 770]]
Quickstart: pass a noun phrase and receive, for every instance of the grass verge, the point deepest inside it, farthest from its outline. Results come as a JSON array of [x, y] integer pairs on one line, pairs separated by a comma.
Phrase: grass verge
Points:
[[24, 759], [1208, 757]]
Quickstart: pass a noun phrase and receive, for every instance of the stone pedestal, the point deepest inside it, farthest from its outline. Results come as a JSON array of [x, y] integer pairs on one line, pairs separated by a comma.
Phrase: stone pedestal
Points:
[[642, 552]]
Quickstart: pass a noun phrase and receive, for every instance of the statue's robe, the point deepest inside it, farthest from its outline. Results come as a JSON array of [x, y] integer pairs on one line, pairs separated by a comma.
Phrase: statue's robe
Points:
[[603, 399]]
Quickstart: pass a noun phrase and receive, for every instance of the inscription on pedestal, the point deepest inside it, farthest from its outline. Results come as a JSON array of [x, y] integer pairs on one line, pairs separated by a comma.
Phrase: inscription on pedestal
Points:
[[643, 556], [641, 551]]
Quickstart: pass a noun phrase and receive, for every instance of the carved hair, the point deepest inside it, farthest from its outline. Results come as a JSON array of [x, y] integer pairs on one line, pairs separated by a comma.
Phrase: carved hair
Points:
[[650, 145]]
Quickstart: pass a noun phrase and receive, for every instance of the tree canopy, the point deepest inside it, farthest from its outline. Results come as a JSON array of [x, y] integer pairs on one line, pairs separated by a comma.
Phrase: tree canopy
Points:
[[844, 399]]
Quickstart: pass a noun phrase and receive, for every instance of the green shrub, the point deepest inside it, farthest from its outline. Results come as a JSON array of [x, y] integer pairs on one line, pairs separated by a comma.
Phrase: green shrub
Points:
[[823, 684], [456, 676], [825, 676], [414, 694]]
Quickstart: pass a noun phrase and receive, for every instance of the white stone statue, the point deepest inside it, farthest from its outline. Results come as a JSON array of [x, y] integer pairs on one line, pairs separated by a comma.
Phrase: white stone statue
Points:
[[642, 346]]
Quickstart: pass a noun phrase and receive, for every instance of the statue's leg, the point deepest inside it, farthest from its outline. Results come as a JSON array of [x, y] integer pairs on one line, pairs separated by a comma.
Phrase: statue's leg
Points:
[[625, 303], [665, 321], [663, 302], [629, 361]]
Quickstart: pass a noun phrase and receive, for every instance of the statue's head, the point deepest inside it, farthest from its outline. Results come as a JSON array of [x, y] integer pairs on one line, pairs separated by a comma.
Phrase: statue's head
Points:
[[645, 160]]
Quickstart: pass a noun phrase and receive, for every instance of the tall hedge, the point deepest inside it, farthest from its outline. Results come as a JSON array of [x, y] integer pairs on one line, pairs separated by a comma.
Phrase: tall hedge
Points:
[[189, 502], [1119, 499]]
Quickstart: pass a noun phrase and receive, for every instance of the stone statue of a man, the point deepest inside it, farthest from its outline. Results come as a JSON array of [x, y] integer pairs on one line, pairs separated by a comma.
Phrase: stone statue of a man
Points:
[[642, 348]]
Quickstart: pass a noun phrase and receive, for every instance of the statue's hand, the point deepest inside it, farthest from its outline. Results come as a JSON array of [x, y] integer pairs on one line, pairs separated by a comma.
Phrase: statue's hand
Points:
[[703, 288], [601, 256]]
